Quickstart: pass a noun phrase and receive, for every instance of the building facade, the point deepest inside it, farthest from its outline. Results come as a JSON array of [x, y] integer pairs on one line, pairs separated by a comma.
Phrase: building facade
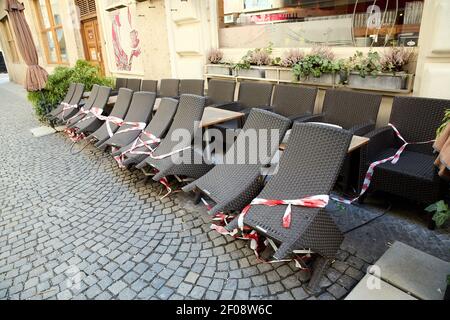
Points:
[[156, 39]]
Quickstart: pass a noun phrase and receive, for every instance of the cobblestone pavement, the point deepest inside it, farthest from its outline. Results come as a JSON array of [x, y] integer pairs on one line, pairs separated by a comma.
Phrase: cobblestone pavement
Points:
[[77, 227]]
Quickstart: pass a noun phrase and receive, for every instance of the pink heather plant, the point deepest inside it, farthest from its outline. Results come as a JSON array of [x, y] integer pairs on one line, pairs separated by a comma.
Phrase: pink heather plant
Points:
[[396, 58], [291, 57], [259, 57], [215, 56]]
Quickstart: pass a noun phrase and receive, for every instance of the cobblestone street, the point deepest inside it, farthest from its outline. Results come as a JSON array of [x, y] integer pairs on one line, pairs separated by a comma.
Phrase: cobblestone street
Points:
[[78, 227]]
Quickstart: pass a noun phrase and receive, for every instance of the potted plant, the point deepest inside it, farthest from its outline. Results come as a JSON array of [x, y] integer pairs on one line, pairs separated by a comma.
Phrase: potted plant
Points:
[[385, 72], [215, 64], [251, 64], [318, 67], [285, 64]]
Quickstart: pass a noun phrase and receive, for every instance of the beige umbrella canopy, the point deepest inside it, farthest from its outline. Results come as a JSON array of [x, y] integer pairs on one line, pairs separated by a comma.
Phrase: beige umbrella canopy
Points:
[[36, 76]]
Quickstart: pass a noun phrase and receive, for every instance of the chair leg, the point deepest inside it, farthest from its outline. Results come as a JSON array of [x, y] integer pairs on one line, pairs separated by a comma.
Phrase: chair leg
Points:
[[319, 268], [197, 197]]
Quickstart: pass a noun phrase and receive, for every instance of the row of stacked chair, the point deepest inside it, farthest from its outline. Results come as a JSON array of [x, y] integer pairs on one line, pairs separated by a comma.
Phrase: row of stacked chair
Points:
[[309, 166]]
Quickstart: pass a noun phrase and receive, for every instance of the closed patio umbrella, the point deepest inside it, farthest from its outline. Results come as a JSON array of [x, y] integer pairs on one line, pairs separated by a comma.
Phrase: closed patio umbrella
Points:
[[36, 76]]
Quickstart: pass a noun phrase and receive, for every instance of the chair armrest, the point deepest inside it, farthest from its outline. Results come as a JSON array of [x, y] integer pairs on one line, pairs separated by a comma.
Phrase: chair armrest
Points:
[[380, 139], [362, 129], [314, 118]]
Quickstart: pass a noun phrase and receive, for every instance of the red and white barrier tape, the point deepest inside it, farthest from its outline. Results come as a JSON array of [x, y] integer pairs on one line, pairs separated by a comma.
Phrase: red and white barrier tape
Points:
[[67, 107], [369, 174], [138, 143], [82, 111], [319, 201]]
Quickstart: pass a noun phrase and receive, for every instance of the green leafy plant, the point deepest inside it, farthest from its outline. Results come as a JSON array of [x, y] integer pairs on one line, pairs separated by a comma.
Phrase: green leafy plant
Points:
[[441, 212], [58, 83], [319, 61], [445, 122], [365, 64]]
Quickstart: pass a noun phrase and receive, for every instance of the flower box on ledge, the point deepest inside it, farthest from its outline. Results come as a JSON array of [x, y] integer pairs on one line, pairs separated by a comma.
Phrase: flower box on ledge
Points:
[[382, 81], [218, 69], [253, 72], [328, 79]]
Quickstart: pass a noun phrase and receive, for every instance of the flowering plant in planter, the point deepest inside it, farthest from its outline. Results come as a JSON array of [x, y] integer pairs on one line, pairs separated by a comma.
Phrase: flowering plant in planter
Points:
[[395, 59], [291, 57], [215, 56]]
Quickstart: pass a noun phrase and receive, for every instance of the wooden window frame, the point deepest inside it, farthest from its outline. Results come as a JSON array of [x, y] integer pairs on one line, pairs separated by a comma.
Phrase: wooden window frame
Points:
[[10, 41], [53, 28]]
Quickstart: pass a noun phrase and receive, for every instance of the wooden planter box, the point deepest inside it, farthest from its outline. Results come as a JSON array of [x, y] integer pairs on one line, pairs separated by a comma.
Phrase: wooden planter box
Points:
[[218, 69], [379, 82]]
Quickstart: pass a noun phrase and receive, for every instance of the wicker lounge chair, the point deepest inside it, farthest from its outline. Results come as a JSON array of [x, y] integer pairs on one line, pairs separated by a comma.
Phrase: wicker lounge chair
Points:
[[134, 84], [97, 128], [87, 106], [414, 176], [120, 83], [233, 185], [66, 99], [353, 111], [309, 167], [192, 86], [149, 86], [157, 127], [294, 102], [75, 101], [220, 92], [190, 111], [320, 151], [169, 88], [140, 110], [252, 95]]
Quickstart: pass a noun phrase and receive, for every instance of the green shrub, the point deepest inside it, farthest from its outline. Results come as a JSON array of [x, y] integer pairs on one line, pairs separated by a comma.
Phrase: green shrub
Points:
[[58, 83]]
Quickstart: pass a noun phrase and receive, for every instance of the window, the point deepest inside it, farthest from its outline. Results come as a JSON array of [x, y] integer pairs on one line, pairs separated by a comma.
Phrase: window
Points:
[[303, 23], [52, 31], [9, 40]]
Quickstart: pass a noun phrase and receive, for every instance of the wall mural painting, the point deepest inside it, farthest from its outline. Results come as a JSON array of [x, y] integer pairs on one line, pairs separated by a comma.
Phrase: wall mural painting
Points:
[[125, 41]]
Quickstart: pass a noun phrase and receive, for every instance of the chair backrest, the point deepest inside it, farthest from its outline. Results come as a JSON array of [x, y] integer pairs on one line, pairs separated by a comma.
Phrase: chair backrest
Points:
[[92, 97], [121, 83], [220, 91], [149, 85], [417, 119], [311, 162], [259, 125], [102, 97], [169, 88], [192, 86], [78, 94], [123, 103], [134, 84], [350, 108], [141, 107], [69, 93], [255, 94], [291, 100], [190, 110], [163, 117]]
